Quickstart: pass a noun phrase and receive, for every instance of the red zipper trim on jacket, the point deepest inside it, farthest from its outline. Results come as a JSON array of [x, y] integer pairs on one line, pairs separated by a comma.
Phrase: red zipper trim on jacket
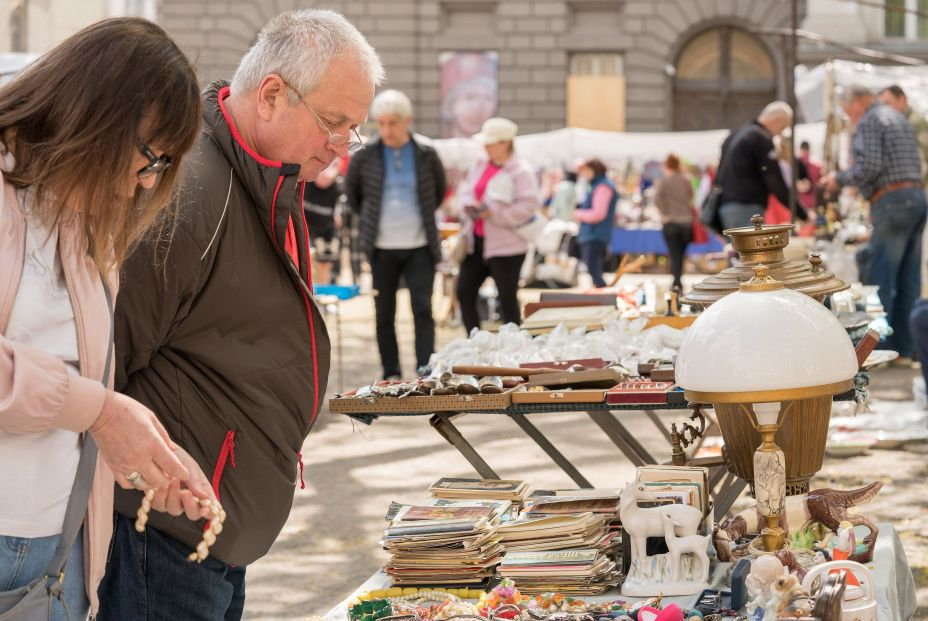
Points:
[[226, 455], [299, 457], [223, 93], [306, 302]]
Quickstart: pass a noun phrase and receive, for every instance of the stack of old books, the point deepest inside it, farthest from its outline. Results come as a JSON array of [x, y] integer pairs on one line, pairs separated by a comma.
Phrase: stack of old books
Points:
[[583, 571], [566, 541], [480, 489], [442, 545]]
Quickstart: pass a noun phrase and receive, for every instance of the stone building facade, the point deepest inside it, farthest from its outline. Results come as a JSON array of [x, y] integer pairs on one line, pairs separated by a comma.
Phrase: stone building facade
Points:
[[540, 43]]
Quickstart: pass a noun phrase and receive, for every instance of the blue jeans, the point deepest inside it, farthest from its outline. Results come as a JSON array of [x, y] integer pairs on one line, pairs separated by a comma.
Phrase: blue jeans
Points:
[[592, 254], [735, 215], [149, 577], [22, 560], [895, 260], [918, 323]]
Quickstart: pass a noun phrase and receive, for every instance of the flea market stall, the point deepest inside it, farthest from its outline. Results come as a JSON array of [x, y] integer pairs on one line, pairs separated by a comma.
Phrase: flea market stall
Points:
[[758, 364]]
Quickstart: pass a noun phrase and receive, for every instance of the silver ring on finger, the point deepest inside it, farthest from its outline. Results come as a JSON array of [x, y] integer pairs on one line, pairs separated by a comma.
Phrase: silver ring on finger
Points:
[[137, 480]]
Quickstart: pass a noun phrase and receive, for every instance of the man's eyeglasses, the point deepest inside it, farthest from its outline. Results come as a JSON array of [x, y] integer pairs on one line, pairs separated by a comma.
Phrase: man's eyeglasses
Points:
[[352, 139], [156, 164]]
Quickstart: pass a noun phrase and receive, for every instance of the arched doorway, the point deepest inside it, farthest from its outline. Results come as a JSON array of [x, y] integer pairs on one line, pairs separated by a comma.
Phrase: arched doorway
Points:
[[724, 77]]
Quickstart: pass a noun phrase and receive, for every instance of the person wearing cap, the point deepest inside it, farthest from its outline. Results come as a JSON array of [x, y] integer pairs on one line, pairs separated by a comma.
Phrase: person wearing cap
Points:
[[499, 196], [395, 185]]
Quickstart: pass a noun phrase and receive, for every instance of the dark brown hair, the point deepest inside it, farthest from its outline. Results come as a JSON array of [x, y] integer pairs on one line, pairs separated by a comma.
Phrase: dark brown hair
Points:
[[672, 163], [896, 91], [73, 121], [596, 166]]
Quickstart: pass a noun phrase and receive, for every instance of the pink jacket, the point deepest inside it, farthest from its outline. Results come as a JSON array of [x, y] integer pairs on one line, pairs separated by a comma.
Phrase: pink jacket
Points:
[[36, 391], [500, 237]]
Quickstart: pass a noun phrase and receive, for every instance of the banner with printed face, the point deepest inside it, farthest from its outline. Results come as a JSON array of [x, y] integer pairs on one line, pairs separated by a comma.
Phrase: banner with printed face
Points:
[[468, 91]]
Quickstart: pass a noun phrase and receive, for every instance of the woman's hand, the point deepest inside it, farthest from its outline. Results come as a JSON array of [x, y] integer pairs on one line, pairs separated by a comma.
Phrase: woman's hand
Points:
[[132, 440], [183, 498]]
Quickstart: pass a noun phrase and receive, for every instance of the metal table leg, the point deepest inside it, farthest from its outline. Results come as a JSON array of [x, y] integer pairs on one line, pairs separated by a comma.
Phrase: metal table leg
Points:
[[620, 436], [443, 425], [542, 441], [651, 414]]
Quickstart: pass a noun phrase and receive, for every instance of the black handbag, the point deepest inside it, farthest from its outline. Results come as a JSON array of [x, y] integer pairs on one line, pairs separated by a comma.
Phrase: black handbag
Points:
[[34, 602]]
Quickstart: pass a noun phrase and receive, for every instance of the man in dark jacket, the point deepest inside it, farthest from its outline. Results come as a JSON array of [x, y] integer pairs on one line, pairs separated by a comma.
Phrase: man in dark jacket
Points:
[[216, 329], [749, 171], [396, 184]]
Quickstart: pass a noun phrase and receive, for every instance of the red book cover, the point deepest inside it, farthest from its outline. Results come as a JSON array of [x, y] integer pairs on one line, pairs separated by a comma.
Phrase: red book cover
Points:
[[643, 392]]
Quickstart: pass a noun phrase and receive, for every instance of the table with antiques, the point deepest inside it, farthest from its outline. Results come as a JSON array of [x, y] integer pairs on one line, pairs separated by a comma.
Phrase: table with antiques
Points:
[[893, 584]]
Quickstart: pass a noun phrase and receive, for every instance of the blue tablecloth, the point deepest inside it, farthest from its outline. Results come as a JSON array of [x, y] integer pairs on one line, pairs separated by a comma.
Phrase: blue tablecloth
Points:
[[651, 241]]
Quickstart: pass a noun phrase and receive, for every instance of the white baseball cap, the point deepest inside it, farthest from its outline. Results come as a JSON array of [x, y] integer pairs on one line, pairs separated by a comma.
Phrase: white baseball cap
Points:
[[497, 130]]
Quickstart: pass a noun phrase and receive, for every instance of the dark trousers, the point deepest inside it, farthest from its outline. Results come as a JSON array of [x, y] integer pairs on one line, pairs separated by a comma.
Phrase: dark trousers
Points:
[[505, 272], [678, 237], [149, 577], [895, 260], [418, 269], [592, 254], [918, 323]]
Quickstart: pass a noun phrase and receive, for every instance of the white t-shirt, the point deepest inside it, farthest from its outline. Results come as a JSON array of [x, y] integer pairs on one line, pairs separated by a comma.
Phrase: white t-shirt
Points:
[[37, 470]]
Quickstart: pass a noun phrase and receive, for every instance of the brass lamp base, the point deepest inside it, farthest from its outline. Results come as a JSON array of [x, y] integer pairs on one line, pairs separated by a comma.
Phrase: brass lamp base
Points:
[[772, 535]]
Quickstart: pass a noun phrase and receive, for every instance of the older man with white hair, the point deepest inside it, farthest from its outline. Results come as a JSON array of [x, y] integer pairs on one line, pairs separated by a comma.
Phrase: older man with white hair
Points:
[[396, 184], [748, 169], [887, 170], [216, 328]]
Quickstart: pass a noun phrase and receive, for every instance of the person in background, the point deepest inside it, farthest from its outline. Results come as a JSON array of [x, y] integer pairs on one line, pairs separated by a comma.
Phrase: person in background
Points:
[[749, 171], [596, 217], [808, 198], [887, 170], [894, 97], [90, 155], [395, 185], [499, 194], [320, 200], [218, 331], [674, 199], [564, 199], [777, 212]]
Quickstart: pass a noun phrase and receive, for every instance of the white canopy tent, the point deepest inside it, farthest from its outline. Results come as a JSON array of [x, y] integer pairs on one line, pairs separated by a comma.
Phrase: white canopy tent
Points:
[[564, 147], [811, 84]]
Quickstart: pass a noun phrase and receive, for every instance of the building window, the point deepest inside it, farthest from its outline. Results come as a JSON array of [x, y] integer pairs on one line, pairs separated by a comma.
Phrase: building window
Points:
[[596, 92], [143, 8], [900, 25]]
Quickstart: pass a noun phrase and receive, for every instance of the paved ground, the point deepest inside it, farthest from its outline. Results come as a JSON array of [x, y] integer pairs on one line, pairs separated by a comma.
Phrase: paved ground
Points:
[[329, 545]]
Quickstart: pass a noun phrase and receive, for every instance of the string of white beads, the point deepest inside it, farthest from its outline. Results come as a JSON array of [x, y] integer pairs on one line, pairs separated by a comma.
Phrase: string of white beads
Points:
[[217, 517]]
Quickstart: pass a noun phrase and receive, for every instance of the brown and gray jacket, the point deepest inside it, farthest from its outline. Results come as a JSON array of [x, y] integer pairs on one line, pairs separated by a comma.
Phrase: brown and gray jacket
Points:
[[218, 334]]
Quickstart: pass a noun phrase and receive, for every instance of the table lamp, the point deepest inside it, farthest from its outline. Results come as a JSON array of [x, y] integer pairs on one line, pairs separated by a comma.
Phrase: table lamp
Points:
[[763, 348]]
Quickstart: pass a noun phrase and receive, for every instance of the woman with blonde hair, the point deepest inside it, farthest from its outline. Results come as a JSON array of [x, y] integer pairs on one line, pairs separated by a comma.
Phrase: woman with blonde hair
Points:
[[91, 136]]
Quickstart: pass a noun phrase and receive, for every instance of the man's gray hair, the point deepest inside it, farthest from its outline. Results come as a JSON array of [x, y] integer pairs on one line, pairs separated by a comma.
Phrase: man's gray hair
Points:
[[852, 92], [776, 109], [298, 46], [391, 102]]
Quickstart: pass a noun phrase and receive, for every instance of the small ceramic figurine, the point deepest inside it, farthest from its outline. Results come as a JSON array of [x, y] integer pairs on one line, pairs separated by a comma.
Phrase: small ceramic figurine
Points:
[[845, 548], [647, 575], [764, 573], [696, 545], [794, 601]]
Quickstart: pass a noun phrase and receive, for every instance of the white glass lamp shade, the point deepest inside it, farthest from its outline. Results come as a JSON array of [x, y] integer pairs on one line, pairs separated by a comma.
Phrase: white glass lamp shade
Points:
[[770, 345]]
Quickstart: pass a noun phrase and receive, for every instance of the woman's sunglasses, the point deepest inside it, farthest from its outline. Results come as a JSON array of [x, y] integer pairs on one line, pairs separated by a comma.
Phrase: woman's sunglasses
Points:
[[155, 164]]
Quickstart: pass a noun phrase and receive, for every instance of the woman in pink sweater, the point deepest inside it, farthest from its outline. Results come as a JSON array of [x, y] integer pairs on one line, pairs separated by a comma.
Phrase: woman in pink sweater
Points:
[[91, 136]]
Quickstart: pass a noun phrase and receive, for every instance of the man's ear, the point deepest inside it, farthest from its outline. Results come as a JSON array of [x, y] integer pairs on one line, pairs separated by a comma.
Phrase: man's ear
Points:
[[272, 96]]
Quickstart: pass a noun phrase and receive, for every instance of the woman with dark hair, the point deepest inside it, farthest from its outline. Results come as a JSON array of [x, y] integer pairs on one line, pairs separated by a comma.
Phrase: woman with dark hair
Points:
[[674, 199], [596, 216], [91, 136]]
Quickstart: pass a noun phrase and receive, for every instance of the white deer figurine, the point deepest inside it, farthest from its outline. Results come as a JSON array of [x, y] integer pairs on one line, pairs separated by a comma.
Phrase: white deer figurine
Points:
[[643, 523], [691, 544]]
